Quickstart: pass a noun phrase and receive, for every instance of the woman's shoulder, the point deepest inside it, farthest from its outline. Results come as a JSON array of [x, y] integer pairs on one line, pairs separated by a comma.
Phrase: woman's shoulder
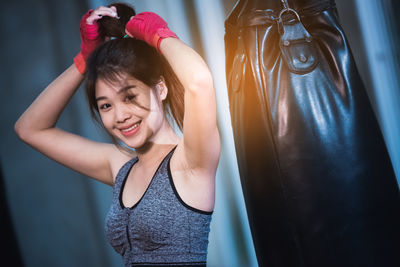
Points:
[[118, 157]]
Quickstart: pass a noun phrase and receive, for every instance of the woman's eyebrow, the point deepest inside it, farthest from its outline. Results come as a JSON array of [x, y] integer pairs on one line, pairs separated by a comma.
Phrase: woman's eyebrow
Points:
[[100, 98], [125, 88]]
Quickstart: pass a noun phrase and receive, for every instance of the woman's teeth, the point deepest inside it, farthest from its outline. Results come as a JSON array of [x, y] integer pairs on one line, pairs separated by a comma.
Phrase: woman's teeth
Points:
[[131, 128]]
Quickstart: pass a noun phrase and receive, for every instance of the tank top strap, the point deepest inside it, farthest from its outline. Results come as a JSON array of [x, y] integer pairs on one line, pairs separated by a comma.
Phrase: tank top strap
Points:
[[123, 172], [167, 158]]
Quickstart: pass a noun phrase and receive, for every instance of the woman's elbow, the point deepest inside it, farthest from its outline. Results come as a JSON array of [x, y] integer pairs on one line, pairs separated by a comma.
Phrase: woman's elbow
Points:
[[19, 130], [202, 80], [23, 131]]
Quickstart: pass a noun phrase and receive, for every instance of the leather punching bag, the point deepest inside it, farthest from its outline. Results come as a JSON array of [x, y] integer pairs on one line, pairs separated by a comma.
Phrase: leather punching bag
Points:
[[318, 183]]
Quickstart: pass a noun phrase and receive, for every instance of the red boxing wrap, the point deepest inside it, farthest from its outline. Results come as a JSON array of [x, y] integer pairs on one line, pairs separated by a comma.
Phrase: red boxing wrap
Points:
[[89, 36], [89, 41], [149, 27]]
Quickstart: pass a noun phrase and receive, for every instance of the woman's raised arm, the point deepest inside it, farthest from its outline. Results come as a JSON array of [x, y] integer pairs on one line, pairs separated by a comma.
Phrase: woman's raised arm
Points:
[[37, 128], [200, 132]]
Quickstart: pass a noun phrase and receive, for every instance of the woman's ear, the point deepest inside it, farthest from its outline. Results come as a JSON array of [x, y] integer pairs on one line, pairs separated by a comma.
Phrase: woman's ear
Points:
[[162, 89]]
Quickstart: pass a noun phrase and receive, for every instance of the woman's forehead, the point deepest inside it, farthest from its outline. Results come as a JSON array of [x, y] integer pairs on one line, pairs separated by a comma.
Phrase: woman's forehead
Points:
[[119, 85]]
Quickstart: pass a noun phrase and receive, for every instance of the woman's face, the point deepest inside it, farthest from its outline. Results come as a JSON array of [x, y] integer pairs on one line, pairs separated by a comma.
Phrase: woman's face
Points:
[[130, 110]]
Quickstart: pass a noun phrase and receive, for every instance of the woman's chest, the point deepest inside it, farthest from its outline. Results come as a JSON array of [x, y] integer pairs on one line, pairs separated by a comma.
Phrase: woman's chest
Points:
[[153, 224]]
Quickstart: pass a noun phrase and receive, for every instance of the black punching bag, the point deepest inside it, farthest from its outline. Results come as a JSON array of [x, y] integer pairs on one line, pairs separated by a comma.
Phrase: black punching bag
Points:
[[318, 183]]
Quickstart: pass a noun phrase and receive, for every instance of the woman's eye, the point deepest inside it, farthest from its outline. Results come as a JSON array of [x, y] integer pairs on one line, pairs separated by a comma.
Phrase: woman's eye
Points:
[[104, 106], [129, 98]]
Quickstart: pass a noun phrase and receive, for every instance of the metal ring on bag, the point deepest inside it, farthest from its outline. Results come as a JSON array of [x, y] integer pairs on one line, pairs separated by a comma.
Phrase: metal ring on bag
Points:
[[280, 22], [288, 9]]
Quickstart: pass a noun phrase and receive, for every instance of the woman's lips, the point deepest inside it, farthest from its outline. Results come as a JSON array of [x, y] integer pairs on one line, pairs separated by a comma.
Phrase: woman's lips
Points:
[[131, 129]]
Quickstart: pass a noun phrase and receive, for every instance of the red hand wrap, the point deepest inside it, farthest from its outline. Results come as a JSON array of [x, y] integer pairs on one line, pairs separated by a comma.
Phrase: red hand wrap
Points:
[[89, 41], [89, 36], [149, 27]]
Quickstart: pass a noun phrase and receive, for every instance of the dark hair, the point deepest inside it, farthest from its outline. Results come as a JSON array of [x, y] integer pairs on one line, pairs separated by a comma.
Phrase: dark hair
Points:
[[115, 27], [132, 57]]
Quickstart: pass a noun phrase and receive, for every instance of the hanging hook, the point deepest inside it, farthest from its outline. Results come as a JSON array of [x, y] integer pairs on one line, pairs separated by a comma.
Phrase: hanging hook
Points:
[[285, 8], [285, 4]]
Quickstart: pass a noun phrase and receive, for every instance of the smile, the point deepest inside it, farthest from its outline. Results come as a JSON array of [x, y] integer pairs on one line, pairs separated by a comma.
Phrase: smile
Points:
[[131, 129]]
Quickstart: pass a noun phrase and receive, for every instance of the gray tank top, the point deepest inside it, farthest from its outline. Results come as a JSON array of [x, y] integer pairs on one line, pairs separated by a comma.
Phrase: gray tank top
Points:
[[160, 229]]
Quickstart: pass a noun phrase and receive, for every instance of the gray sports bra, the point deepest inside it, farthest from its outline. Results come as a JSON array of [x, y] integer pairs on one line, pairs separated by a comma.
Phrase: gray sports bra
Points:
[[160, 229]]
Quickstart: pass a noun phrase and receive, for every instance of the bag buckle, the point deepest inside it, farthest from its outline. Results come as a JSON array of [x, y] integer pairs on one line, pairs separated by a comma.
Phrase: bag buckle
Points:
[[296, 43]]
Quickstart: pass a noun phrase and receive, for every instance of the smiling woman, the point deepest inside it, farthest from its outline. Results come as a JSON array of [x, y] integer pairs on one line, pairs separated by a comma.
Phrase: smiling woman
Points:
[[130, 110], [163, 190], [136, 77]]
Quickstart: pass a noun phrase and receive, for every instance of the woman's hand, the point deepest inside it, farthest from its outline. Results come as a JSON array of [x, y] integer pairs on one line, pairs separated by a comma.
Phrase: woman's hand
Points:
[[90, 36], [92, 16], [149, 27]]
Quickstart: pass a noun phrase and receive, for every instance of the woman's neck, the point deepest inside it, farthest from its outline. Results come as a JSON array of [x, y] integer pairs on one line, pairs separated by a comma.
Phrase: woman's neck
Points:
[[159, 145]]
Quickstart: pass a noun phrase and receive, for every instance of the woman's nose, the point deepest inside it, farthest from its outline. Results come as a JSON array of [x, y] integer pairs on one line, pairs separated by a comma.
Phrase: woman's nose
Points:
[[122, 113]]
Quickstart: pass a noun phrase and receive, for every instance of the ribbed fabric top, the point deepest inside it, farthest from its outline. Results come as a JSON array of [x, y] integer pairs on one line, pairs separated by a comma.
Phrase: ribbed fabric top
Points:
[[160, 229]]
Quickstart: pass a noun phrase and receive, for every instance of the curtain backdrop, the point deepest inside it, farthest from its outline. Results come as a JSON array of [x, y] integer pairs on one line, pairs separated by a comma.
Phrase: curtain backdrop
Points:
[[380, 36]]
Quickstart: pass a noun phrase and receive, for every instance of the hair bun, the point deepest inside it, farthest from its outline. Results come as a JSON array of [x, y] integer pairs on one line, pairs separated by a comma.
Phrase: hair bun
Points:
[[114, 27]]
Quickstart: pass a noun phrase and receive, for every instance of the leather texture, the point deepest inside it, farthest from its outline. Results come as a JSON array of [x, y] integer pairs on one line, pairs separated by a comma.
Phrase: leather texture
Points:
[[318, 183]]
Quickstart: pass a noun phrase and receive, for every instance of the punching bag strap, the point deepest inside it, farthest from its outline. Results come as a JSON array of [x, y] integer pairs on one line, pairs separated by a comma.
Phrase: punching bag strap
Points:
[[296, 43]]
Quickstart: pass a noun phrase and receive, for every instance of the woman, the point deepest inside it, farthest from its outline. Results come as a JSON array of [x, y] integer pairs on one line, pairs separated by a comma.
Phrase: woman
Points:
[[163, 192]]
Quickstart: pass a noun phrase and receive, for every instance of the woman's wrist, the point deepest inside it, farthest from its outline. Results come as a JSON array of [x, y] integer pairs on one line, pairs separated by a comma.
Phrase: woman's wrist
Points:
[[80, 63]]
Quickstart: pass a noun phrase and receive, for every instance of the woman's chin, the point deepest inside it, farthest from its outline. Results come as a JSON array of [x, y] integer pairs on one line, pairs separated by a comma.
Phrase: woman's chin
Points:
[[135, 143]]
